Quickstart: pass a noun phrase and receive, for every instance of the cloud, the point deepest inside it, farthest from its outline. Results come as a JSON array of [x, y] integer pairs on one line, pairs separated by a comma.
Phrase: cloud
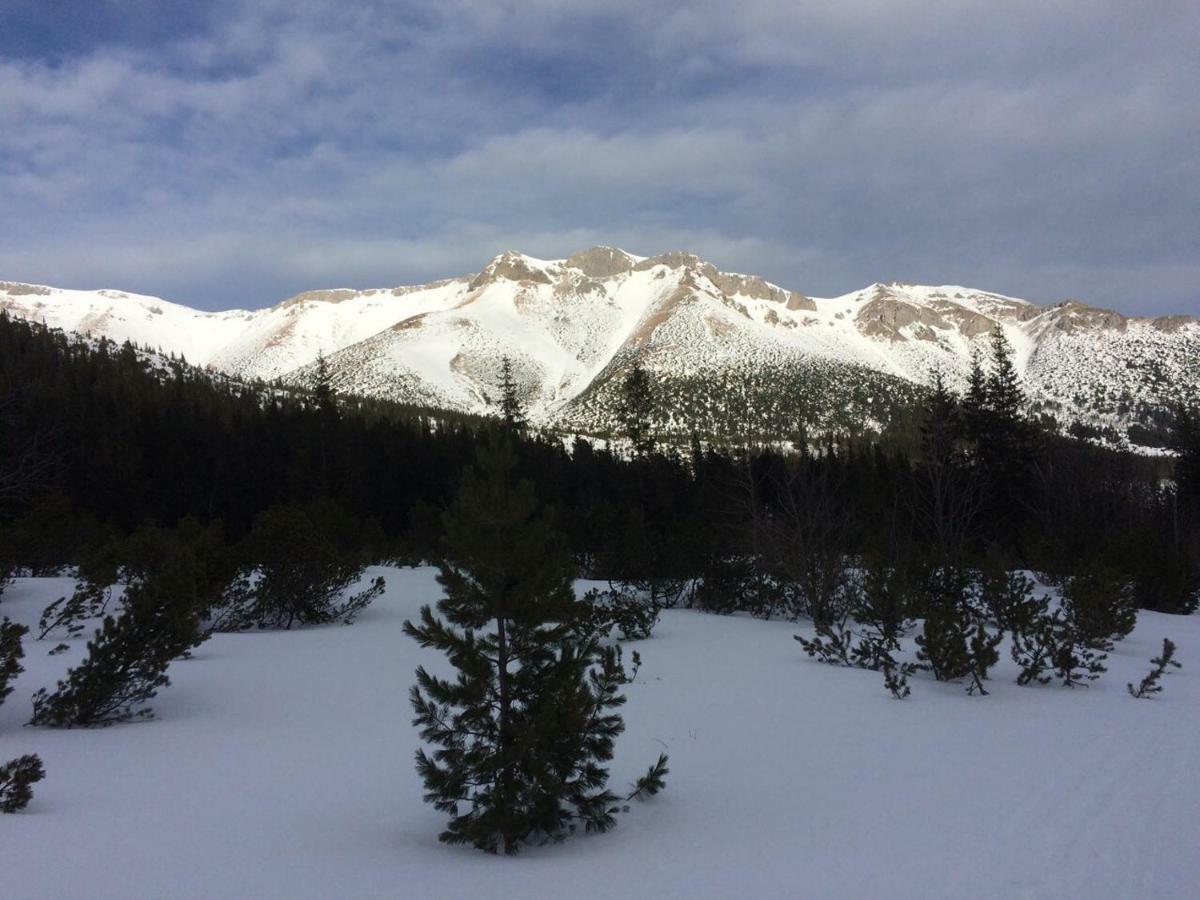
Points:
[[1037, 149]]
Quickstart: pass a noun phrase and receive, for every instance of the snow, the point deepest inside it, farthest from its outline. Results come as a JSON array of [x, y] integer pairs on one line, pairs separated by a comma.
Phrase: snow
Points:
[[280, 765], [441, 343]]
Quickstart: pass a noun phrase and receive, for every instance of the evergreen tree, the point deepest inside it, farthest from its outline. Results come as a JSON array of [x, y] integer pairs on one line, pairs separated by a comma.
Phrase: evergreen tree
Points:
[[11, 654], [125, 667], [1187, 463], [1005, 596], [296, 573], [511, 410], [17, 778], [637, 408], [170, 583], [19, 775], [1149, 685], [976, 405], [1005, 397], [948, 488], [323, 391], [524, 729], [1100, 600]]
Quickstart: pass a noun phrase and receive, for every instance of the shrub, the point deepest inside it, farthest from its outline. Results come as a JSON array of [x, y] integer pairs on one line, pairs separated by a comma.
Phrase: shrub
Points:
[[297, 574], [632, 614], [17, 778], [160, 620], [11, 654], [1149, 685]]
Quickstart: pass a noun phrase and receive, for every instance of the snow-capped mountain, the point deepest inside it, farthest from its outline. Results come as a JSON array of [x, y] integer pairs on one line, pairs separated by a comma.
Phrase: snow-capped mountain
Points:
[[729, 351]]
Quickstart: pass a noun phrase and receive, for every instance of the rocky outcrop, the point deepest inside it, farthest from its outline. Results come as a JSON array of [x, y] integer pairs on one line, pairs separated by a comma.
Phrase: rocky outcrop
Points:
[[600, 262], [337, 295], [511, 267], [18, 289], [886, 317], [1071, 316]]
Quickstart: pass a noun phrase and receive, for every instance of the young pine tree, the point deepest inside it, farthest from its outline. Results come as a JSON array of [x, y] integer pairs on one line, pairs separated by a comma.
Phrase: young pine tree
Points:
[[1149, 685], [524, 729]]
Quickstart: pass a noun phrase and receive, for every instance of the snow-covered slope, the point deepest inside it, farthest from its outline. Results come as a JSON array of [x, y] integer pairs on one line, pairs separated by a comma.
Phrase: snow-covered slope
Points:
[[572, 326], [281, 765]]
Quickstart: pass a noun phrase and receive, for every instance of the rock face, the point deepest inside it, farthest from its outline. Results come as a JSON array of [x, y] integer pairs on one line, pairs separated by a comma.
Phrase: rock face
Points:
[[713, 339], [601, 262]]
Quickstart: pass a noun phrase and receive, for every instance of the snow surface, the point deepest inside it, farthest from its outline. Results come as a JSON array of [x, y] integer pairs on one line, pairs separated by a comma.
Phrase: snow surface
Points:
[[280, 765]]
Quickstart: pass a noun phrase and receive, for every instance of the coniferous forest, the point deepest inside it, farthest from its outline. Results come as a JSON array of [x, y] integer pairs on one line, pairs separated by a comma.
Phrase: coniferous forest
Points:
[[99, 441]]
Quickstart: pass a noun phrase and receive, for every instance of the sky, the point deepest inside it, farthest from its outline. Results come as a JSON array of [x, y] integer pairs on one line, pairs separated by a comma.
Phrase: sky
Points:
[[231, 153]]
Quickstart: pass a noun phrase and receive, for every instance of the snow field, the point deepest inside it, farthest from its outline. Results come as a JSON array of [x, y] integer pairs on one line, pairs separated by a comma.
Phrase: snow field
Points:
[[280, 765]]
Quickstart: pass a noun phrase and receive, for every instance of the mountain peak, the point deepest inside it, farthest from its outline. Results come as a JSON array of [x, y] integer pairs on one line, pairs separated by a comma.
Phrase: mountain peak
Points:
[[602, 261]]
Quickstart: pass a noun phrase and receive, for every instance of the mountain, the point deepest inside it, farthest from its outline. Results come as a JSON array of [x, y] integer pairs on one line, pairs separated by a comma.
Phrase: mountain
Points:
[[730, 352]]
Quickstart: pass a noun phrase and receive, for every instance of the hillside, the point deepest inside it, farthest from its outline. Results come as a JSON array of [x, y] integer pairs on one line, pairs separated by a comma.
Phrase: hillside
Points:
[[727, 349]]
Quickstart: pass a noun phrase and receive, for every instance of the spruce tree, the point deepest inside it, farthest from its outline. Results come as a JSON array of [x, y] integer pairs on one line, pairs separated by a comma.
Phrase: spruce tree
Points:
[[525, 727], [323, 391], [511, 410], [1006, 398], [636, 409], [975, 405]]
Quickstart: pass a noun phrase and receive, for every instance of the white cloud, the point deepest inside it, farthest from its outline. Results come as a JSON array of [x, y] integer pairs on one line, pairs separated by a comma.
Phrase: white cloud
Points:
[[1032, 148]]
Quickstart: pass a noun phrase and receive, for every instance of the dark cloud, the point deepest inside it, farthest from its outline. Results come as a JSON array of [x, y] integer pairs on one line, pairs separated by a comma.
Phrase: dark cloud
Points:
[[261, 147]]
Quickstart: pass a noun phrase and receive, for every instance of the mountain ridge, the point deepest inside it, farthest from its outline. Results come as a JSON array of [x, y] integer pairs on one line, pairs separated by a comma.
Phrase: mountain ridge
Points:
[[571, 326]]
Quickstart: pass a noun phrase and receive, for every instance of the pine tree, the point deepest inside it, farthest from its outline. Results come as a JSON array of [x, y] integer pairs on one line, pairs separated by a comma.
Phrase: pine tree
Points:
[[895, 679], [1006, 399], [296, 574], [942, 643], [976, 406], [1101, 604], [17, 778], [981, 655], [1149, 685], [11, 654], [636, 409], [126, 664], [948, 489], [323, 391], [524, 729], [511, 410], [172, 579]]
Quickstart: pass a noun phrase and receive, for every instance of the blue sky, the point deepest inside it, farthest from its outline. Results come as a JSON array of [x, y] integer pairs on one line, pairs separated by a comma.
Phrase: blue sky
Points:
[[234, 152]]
